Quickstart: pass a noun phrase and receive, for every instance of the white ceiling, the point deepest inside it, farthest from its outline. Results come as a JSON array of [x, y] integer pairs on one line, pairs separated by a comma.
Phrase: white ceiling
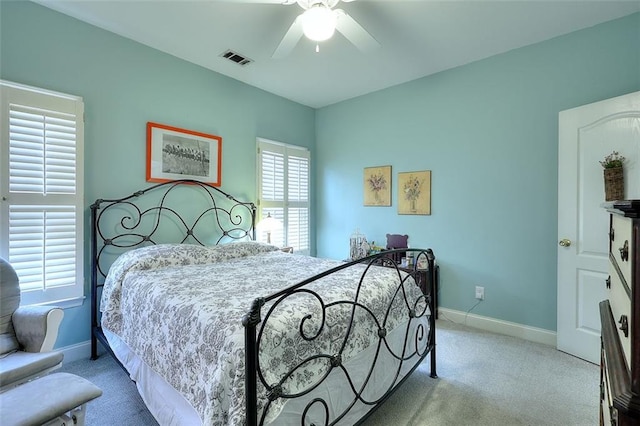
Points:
[[417, 38]]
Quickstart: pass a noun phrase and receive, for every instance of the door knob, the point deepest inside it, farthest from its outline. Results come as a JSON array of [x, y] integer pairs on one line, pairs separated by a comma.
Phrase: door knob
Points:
[[565, 242]]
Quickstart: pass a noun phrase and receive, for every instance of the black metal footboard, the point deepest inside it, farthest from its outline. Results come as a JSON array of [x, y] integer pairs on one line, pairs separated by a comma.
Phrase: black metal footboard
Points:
[[411, 342]]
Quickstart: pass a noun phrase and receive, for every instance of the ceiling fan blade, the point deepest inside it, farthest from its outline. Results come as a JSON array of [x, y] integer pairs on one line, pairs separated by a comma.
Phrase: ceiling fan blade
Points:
[[289, 41], [354, 32]]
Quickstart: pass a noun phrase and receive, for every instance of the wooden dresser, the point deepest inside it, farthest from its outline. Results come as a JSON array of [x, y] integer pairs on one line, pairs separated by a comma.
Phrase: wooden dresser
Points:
[[620, 319]]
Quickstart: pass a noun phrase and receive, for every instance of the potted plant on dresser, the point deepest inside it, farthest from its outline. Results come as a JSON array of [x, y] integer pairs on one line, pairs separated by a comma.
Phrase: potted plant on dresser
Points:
[[613, 176]]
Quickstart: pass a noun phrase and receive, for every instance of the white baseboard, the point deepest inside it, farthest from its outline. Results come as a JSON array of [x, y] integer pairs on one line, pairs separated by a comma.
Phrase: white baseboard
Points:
[[79, 351], [526, 332]]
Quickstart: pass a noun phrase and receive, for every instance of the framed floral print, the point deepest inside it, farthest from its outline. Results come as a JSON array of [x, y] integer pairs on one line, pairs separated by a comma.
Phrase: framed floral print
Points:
[[414, 192], [377, 186]]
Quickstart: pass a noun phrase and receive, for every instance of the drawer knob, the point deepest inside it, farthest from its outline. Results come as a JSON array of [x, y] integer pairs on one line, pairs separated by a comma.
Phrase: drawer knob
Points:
[[624, 325], [608, 282], [624, 251]]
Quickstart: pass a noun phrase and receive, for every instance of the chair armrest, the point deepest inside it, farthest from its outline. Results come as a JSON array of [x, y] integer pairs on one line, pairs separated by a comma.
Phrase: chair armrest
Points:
[[36, 327]]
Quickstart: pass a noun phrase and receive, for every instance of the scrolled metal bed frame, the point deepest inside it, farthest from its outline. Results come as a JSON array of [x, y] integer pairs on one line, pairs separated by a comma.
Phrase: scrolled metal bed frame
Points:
[[133, 224]]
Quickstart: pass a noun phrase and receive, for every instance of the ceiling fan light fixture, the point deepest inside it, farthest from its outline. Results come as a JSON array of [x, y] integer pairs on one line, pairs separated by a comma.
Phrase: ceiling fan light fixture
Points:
[[318, 22]]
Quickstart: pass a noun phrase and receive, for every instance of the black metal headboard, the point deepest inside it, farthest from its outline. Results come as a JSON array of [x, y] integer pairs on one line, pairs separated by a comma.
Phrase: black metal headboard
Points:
[[181, 211]]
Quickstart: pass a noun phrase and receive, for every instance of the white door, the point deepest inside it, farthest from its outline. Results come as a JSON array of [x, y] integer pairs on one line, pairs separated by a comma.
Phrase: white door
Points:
[[586, 135]]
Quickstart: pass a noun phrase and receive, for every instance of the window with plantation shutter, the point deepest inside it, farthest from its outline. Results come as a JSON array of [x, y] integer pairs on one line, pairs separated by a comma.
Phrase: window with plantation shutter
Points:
[[283, 182], [41, 215]]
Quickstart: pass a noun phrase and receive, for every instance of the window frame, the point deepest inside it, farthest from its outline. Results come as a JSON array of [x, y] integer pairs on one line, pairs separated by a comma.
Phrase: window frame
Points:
[[288, 151], [66, 295]]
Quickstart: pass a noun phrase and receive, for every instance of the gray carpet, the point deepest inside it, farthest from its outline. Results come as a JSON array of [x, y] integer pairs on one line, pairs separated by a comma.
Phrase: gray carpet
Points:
[[483, 379]]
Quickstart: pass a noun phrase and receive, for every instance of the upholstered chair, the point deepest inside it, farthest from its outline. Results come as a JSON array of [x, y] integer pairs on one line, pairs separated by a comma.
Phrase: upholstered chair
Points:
[[27, 334]]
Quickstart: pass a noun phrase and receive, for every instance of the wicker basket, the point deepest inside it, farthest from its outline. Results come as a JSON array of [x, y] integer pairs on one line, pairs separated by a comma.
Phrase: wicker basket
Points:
[[613, 184]]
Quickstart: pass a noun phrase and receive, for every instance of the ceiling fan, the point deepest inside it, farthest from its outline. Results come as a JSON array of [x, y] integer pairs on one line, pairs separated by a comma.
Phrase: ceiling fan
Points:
[[318, 23]]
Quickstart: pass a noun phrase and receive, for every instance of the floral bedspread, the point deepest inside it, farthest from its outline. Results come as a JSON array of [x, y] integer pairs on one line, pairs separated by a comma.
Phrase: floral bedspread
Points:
[[180, 308]]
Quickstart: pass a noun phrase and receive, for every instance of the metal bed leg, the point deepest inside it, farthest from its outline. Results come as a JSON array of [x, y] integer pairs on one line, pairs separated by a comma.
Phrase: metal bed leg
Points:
[[250, 321]]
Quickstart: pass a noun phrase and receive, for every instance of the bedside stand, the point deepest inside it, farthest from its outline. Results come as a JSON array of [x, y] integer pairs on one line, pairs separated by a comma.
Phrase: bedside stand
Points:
[[421, 277]]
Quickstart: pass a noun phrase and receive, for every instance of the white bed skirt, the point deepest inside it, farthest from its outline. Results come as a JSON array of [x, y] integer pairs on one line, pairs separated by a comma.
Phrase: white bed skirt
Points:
[[164, 402], [170, 408]]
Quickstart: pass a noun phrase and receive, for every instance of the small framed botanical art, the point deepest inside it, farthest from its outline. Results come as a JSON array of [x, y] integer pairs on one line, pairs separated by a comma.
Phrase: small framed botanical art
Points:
[[174, 153], [377, 186], [414, 192]]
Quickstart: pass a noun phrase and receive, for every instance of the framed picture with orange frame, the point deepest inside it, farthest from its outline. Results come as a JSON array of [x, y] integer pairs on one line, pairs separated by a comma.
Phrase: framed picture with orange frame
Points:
[[174, 153]]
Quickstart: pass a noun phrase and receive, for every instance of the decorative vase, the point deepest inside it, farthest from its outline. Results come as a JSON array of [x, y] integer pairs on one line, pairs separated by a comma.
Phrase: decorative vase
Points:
[[356, 245], [614, 184], [412, 204]]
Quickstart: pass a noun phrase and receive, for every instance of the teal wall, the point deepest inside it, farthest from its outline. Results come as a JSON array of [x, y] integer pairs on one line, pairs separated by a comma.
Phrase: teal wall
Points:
[[125, 84], [488, 131]]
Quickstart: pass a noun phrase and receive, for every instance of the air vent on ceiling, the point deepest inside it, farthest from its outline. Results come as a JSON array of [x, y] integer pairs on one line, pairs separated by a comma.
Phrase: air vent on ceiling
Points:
[[235, 57]]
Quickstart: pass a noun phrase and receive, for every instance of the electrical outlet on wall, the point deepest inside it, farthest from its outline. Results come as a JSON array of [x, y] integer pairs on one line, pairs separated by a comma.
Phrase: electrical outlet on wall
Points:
[[479, 293]]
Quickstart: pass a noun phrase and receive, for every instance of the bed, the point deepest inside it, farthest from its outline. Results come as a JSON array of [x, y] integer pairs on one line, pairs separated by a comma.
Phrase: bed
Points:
[[218, 329]]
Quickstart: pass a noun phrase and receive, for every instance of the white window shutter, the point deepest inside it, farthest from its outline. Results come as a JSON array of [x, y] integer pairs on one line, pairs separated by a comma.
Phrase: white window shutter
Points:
[[42, 151], [298, 179], [298, 200], [272, 176], [41, 221], [42, 246], [298, 229]]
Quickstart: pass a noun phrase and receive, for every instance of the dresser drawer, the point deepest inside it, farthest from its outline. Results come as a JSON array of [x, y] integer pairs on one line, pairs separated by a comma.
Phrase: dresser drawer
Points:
[[621, 307], [621, 245]]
